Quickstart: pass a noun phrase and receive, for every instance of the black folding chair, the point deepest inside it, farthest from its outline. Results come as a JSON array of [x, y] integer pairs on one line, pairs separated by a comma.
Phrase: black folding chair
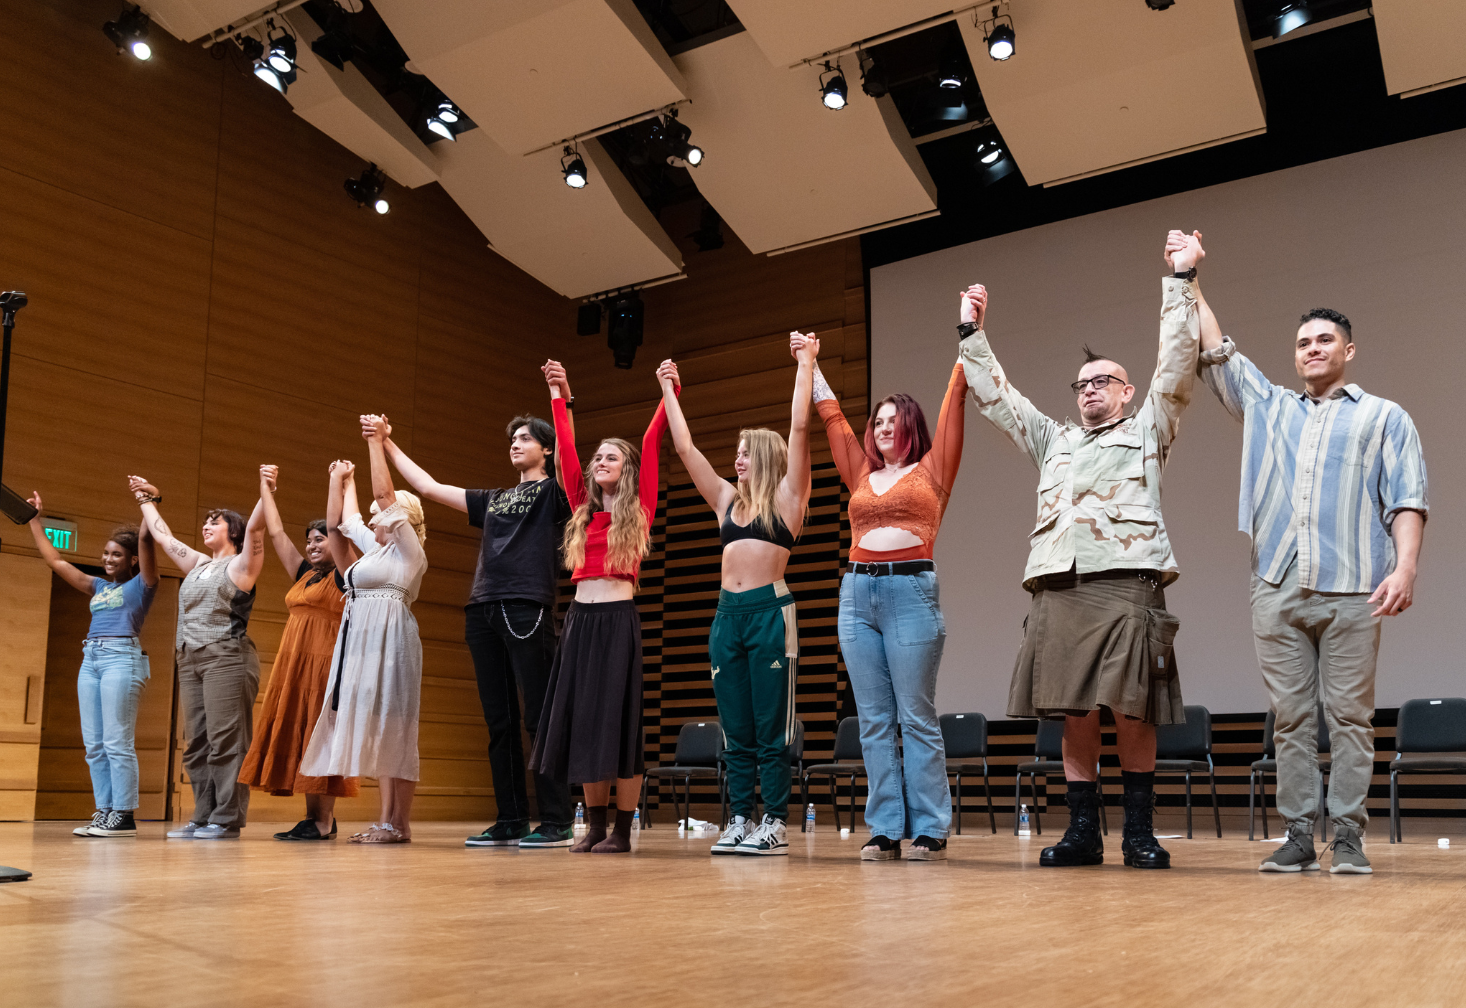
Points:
[[1426, 726], [699, 754], [965, 737], [1257, 781], [849, 761], [1186, 749], [1048, 747]]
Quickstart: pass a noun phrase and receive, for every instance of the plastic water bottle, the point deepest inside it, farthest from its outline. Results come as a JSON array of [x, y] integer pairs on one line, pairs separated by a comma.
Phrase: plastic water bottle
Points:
[[579, 817], [1023, 829], [636, 820], [809, 818]]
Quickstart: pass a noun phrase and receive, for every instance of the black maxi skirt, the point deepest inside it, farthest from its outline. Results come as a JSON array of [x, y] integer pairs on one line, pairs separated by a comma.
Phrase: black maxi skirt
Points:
[[590, 727]]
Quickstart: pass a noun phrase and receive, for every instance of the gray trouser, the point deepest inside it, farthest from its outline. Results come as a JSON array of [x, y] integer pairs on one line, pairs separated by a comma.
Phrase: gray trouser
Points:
[[217, 684], [1311, 643]]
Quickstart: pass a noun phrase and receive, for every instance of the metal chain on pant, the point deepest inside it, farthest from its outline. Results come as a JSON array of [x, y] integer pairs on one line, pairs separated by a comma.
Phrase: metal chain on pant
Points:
[[510, 626]]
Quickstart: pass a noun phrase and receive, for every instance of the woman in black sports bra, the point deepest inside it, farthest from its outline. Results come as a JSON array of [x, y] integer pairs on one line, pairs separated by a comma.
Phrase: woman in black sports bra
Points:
[[753, 647]]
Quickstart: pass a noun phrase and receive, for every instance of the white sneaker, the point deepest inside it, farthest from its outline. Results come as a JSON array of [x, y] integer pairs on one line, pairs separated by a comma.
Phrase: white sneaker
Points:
[[768, 838], [733, 836], [98, 817], [186, 831]]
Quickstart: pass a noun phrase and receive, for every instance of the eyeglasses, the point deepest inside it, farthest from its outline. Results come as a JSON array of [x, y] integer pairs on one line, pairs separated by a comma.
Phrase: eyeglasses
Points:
[[1100, 381]]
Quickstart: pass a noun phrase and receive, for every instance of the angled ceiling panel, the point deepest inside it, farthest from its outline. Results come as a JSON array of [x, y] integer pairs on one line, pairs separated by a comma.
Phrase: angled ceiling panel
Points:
[[1422, 42], [344, 106], [781, 168], [530, 72], [575, 241], [1097, 86], [193, 19], [789, 32]]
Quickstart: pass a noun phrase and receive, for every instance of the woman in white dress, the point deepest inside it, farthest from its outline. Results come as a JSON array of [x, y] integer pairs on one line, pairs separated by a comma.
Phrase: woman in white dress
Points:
[[368, 724]]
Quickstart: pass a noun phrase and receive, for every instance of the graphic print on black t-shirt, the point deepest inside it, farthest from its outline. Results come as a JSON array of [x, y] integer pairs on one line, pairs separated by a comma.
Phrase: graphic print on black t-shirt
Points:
[[519, 557]]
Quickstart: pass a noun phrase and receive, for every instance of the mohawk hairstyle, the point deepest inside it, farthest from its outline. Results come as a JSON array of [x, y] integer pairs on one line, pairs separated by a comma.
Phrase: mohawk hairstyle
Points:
[[1090, 356]]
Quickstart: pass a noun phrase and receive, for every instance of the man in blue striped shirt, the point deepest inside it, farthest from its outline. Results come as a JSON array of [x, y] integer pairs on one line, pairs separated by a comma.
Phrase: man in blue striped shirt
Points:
[[1334, 497]]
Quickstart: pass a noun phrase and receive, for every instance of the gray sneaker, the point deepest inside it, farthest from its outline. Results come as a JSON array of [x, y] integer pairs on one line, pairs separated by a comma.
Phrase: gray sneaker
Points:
[[1295, 855], [214, 831], [1348, 848], [186, 831], [728, 843]]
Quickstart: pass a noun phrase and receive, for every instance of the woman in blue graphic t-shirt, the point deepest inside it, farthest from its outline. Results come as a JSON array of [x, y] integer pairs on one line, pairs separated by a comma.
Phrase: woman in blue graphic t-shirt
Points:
[[114, 669]]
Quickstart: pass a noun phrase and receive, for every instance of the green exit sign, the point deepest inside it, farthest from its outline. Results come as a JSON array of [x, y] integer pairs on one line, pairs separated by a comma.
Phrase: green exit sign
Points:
[[62, 533]]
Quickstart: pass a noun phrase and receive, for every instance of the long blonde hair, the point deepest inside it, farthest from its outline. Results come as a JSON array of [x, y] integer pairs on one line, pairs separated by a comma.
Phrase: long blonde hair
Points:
[[412, 508], [629, 536], [756, 499]]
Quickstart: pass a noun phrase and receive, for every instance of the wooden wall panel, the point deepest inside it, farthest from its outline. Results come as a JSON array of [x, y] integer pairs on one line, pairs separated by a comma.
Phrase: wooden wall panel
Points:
[[25, 606]]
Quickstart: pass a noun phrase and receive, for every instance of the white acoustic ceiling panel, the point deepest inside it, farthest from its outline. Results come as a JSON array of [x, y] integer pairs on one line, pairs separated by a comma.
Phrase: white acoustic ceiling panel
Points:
[[788, 31], [530, 72], [781, 168], [1094, 86], [1422, 42], [194, 19], [575, 241], [344, 106]]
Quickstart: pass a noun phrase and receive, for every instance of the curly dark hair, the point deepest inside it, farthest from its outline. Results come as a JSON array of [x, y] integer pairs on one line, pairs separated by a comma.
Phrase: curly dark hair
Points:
[[1329, 315], [235, 521], [126, 537]]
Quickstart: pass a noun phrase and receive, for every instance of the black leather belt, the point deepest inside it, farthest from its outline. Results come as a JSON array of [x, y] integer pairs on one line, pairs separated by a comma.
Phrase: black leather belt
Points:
[[1069, 578], [896, 567]]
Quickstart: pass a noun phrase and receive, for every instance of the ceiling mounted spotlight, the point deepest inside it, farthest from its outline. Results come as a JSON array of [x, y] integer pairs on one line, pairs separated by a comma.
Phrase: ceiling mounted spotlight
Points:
[[440, 126], [447, 111], [677, 138], [253, 48], [572, 166], [1160, 4], [998, 35], [872, 81], [367, 189], [1293, 15], [129, 33], [832, 88], [623, 332], [278, 68], [951, 72], [282, 54], [988, 152]]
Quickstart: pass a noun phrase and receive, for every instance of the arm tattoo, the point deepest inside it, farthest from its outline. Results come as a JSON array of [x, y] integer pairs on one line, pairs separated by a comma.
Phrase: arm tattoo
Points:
[[259, 546], [178, 549], [161, 527], [822, 389]]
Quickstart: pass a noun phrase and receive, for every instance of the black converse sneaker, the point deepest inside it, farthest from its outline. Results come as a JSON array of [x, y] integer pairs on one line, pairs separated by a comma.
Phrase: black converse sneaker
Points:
[[767, 838], [98, 817], [118, 823]]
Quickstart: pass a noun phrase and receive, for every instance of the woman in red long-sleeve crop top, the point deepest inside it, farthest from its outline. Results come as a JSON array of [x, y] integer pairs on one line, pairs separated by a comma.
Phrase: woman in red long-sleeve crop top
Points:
[[890, 625], [590, 725]]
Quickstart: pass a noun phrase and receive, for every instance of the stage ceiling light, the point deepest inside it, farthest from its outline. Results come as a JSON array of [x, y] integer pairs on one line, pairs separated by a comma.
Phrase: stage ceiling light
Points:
[[832, 89], [1160, 4], [367, 189], [129, 33], [282, 54], [448, 112], [440, 127], [678, 140], [1000, 42], [572, 166], [623, 329], [1292, 16]]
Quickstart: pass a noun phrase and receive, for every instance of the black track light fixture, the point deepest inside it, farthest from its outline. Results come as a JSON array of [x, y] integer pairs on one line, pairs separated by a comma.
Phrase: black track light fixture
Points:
[[572, 166], [277, 68], [833, 91], [951, 72], [872, 81], [677, 137], [998, 35], [129, 33], [623, 330], [1292, 16], [367, 189], [444, 119], [335, 47], [1160, 4]]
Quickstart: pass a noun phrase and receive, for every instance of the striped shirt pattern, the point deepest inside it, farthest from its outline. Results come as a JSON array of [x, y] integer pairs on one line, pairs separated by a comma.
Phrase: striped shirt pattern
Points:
[[1321, 481]]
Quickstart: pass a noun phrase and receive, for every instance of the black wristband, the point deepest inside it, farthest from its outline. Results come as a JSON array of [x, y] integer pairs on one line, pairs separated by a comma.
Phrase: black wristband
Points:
[[966, 329], [1185, 274], [570, 403]]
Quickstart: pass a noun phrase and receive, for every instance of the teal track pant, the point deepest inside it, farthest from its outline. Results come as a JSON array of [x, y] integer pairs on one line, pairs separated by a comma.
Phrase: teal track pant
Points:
[[754, 654]]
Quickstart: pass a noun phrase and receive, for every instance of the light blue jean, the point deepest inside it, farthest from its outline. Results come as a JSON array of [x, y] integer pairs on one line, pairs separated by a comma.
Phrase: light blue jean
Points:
[[892, 633], [114, 671]]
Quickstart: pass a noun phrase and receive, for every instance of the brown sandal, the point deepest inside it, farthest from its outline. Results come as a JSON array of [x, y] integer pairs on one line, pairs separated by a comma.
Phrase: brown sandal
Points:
[[380, 833]]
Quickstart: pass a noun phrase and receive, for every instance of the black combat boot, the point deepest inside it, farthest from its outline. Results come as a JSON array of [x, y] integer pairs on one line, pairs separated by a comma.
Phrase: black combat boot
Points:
[[1140, 847], [1082, 844]]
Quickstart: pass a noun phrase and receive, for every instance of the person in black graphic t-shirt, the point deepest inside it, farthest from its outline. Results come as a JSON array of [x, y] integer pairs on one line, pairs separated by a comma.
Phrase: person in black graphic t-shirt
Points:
[[511, 621]]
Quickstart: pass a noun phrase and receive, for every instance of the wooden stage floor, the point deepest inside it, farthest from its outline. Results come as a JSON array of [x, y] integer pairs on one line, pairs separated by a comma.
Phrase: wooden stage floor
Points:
[[259, 922]]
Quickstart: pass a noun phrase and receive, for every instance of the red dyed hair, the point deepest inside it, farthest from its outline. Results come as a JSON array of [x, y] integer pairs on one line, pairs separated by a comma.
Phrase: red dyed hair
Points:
[[913, 439]]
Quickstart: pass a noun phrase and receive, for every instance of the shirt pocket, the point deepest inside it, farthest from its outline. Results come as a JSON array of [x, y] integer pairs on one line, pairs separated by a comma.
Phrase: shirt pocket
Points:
[[1051, 497], [1135, 528], [1119, 468]]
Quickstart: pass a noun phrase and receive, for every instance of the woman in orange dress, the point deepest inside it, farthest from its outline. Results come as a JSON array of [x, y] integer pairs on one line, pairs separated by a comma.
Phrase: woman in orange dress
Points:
[[296, 691]]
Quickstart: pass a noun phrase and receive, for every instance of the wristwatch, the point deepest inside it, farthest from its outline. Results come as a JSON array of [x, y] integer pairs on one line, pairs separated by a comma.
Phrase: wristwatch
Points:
[[1185, 274], [966, 329], [570, 403]]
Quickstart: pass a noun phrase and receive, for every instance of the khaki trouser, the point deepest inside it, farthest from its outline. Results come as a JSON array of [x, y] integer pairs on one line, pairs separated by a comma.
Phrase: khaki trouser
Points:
[[217, 684], [1308, 643]]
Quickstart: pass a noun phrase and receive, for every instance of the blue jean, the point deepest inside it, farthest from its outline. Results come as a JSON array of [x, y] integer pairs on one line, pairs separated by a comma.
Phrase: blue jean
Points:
[[892, 633], [114, 671]]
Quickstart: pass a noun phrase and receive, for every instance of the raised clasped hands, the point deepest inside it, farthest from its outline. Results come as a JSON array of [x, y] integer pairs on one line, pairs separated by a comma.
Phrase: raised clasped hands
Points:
[[342, 469], [141, 488], [974, 304], [374, 427], [667, 375], [804, 347], [268, 476], [556, 378], [1183, 251]]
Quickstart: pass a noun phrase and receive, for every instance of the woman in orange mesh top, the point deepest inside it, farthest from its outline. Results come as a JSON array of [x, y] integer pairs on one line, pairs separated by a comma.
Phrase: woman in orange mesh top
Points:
[[891, 629]]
